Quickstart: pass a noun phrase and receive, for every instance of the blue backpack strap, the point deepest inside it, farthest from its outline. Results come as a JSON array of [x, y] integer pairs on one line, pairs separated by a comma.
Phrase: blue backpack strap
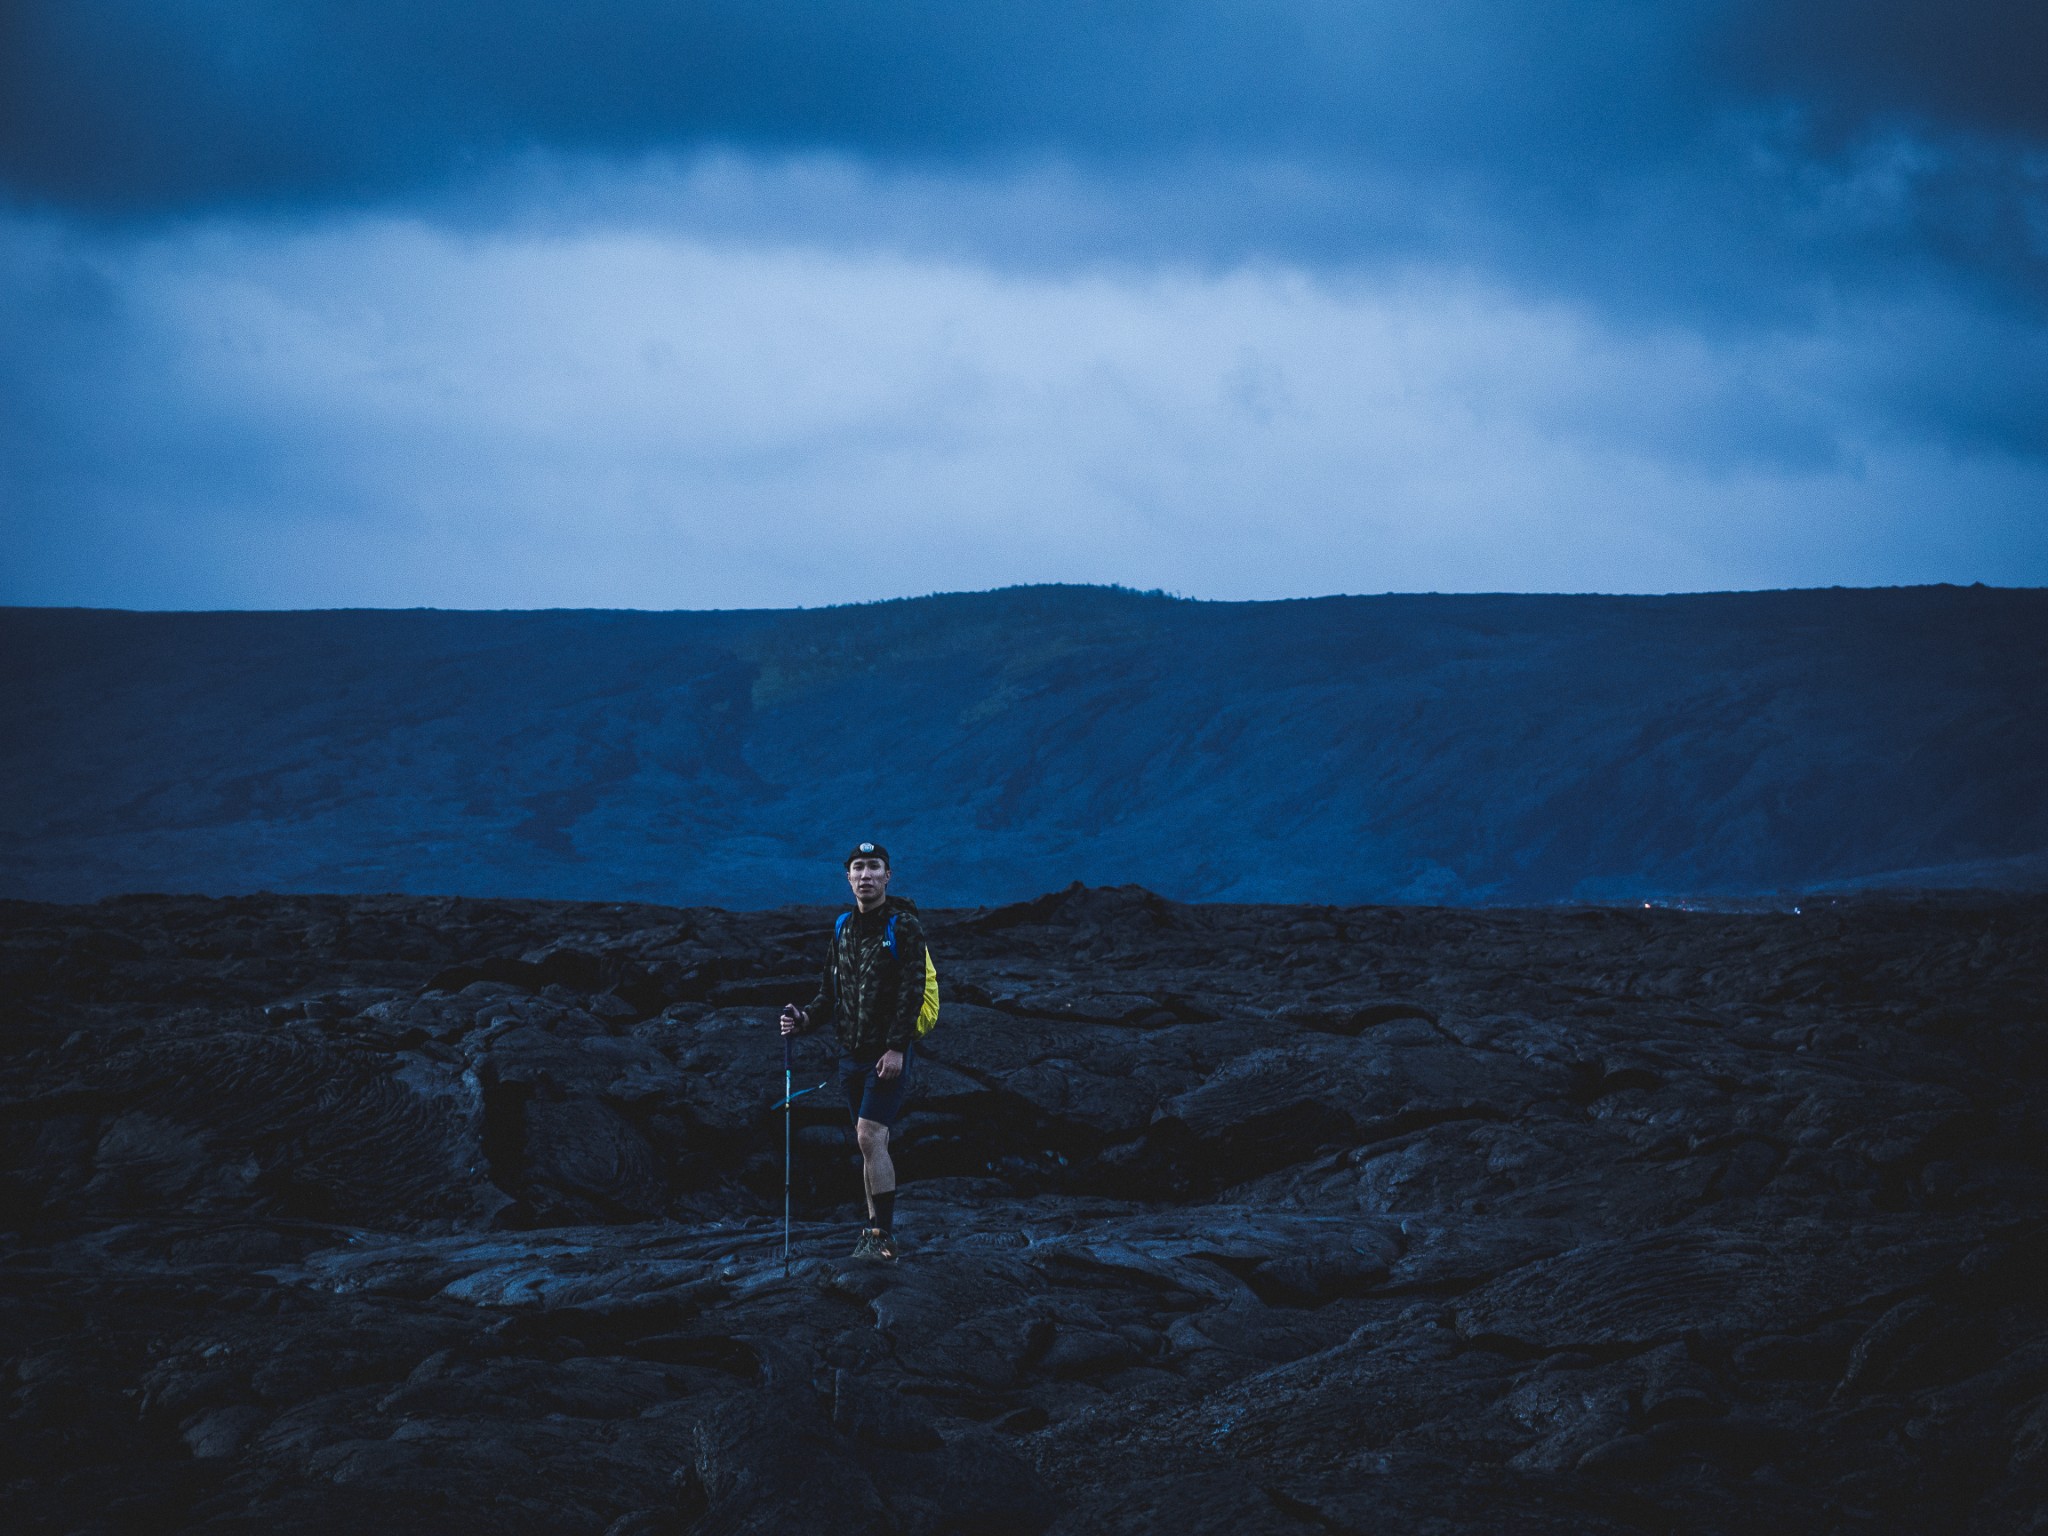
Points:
[[889, 933]]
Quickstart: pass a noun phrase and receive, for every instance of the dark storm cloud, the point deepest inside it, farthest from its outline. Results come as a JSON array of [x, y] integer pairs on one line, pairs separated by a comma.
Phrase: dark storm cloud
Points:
[[1979, 63], [134, 104], [137, 104], [1709, 159]]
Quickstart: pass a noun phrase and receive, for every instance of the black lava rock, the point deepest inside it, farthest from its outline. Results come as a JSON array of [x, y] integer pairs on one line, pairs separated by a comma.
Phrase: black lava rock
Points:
[[430, 1215]]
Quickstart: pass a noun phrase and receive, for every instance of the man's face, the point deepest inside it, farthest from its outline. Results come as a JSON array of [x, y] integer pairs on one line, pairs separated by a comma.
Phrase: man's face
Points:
[[869, 879]]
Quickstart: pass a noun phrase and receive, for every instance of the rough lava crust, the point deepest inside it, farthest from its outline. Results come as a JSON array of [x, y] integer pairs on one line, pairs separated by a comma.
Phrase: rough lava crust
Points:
[[437, 1215]]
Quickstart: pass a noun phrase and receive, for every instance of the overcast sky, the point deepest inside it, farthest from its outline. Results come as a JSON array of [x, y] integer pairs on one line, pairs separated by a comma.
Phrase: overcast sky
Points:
[[649, 303]]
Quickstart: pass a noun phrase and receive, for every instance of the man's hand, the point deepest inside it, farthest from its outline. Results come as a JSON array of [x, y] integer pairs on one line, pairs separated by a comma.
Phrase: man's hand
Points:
[[792, 1019], [890, 1065]]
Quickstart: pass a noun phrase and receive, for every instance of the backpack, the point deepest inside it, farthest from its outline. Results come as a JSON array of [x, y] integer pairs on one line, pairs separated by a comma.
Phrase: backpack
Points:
[[928, 1011]]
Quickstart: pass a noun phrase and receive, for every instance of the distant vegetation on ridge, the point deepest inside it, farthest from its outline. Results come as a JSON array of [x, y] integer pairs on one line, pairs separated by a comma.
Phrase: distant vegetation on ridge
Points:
[[1405, 748]]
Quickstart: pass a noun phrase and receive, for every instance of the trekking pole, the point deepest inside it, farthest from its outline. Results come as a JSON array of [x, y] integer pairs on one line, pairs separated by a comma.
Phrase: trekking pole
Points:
[[788, 1114]]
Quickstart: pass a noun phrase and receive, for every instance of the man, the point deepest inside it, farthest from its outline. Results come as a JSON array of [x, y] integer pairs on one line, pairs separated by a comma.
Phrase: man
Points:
[[871, 993]]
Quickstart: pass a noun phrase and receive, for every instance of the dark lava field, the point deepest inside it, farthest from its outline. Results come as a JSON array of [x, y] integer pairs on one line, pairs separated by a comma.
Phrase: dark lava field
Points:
[[387, 1215]]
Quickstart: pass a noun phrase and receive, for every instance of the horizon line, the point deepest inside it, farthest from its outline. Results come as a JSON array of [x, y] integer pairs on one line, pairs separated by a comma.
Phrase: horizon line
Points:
[[1108, 588]]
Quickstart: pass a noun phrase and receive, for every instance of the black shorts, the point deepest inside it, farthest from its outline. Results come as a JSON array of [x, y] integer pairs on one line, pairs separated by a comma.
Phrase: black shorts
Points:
[[867, 1096]]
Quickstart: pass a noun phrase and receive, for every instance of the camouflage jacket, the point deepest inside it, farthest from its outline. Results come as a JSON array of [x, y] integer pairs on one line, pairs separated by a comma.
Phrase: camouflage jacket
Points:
[[869, 995]]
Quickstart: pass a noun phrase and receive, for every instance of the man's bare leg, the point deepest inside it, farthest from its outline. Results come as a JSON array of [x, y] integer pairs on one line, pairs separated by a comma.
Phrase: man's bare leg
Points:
[[878, 1173]]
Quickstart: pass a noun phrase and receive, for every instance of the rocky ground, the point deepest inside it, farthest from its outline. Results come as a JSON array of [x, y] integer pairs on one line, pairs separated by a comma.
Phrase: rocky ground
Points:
[[399, 1214]]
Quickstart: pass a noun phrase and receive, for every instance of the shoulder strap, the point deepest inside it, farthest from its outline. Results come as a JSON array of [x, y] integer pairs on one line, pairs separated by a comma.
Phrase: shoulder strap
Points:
[[889, 934]]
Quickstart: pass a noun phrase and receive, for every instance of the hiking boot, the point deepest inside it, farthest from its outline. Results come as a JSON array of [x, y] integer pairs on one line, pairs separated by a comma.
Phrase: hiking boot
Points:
[[884, 1247], [864, 1245]]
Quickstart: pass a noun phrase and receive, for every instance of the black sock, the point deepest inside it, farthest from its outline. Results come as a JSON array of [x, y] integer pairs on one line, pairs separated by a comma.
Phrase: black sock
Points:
[[885, 1211]]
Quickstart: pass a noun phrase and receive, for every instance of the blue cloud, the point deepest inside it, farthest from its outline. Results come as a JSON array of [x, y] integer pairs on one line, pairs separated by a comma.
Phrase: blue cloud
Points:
[[1792, 234], [125, 102], [1729, 158], [128, 103], [1974, 64]]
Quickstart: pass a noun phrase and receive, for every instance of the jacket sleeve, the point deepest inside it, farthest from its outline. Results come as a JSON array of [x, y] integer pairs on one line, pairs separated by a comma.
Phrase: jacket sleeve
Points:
[[909, 984], [818, 1013]]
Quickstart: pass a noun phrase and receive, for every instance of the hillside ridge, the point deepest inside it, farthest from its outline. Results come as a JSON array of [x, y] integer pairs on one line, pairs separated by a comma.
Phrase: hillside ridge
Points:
[[1504, 748]]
